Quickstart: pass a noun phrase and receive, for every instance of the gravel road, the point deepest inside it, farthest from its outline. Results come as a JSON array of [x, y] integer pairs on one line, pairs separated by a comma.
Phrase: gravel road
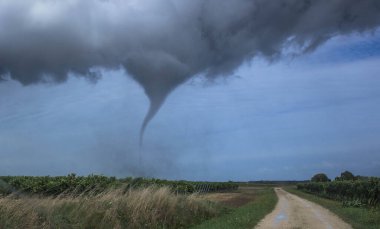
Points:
[[294, 212]]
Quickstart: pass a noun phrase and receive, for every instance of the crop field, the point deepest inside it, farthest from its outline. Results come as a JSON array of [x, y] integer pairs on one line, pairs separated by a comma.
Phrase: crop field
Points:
[[102, 202], [72, 184], [357, 193]]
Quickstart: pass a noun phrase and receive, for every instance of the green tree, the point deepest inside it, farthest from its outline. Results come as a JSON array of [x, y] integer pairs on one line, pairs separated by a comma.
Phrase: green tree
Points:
[[320, 177], [347, 175]]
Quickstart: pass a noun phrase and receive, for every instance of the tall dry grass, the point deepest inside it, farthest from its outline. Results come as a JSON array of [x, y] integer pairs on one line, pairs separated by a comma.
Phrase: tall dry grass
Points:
[[142, 208]]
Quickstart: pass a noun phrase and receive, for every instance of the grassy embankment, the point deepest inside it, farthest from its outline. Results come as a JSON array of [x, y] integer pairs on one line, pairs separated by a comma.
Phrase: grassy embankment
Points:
[[359, 218], [246, 216], [140, 208], [137, 208]]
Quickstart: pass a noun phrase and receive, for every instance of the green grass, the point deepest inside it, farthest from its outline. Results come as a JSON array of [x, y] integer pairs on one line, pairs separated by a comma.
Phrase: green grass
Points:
[[359, 218], [246, 216]]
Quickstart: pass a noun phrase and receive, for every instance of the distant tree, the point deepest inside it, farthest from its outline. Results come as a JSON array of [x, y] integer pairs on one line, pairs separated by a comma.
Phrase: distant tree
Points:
[[361, 177], [320, 177], [338, 179], [347, 175]]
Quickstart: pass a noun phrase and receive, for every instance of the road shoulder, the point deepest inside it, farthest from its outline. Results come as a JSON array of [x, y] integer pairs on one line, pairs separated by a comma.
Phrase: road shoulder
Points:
[[359, 218]]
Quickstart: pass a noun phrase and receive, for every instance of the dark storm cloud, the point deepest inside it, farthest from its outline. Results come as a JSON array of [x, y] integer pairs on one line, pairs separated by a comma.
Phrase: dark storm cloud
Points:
[[163, 43]]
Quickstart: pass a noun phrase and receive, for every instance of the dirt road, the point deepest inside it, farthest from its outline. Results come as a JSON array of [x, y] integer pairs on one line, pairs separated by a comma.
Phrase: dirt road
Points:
[[294, 212]]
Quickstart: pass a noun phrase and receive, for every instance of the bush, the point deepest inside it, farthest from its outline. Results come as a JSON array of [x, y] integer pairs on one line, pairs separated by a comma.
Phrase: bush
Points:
[[320, 177], [346, 175]]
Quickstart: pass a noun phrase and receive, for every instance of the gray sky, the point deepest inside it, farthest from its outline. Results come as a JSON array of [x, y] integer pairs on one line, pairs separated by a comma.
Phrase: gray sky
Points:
[[271, 116]]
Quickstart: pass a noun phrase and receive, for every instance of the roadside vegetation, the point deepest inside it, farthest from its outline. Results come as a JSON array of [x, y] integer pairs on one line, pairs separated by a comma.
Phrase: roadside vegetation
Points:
[[106, 202], [356, 199], [138, 208], [351, 190]]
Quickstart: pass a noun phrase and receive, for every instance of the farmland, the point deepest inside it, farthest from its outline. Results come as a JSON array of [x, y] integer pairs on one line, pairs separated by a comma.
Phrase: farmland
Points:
[[97, 201], [358, 192], [72, 184], [100, 202]]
